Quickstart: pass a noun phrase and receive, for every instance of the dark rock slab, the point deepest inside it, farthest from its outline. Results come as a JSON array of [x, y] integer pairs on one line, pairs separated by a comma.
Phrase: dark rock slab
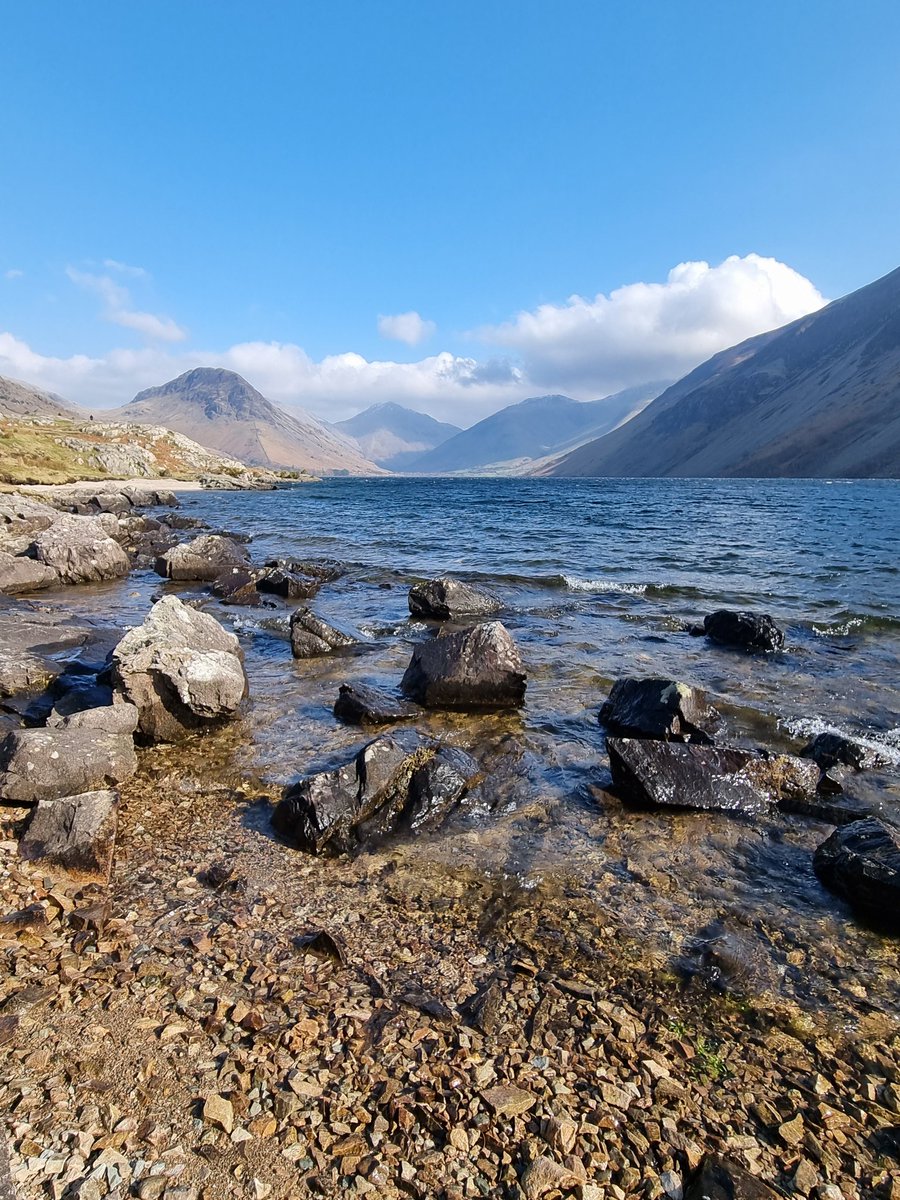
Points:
[[679, 775], [205, 558], [312, 637], [46, 764], [721, 1179], [358, 704], [659, 708], [447, 599], [297, 579], [743, 630], [861, 863], [832, 808], [477, 668], [74, 834], [834, 750], [237, 585], [437, 787]]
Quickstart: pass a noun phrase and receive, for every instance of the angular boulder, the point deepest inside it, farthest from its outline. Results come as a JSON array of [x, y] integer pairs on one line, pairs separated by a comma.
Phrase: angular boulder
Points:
[[477, 668], [21, 574], [659, 708], [180, 669], [312, 637], [297, 579], [679, 775], [81, 550], [861, 863], [74, 835], [721, 1179], [107, 718], [447, 599], [237, 586], [437, 787], [204, 558], [46, 764], [361, 705], [834, 750], [743, 630]]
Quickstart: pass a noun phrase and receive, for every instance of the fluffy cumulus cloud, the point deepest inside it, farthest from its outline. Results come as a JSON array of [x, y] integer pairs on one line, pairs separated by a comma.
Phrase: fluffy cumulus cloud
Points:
[[646, 331], [406, 327], [117, 307]]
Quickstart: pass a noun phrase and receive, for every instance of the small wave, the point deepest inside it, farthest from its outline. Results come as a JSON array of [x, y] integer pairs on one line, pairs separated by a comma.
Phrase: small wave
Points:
[[849, 623], [884, 742], [574, 584]]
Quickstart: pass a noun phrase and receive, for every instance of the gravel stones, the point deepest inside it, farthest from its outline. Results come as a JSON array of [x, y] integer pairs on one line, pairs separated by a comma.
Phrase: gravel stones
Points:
[[75, 834], [659, 708], [477, 668]]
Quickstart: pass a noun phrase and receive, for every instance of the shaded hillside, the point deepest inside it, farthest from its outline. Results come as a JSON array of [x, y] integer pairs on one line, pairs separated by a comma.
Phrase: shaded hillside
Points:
[[22, 400], [393, 436], [819, 398], [220, 410]]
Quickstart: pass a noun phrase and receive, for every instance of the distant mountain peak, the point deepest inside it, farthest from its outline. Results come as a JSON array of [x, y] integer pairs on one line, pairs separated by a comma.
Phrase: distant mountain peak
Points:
[[391, 435]]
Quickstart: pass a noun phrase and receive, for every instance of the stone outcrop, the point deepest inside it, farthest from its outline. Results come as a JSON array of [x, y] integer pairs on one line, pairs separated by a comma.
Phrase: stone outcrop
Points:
[[312, 637], [204, 558], [477, 668], [180, 669], [18, 573], [81, 550], [659, 708], [706, 777], [447, 599], [861, 862], [45, 764], [743, 630], [74, 835], [361, 705]]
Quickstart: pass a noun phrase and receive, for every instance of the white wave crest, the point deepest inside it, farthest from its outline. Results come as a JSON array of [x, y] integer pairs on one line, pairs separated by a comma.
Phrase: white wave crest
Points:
[[884, 742], [574, 584]]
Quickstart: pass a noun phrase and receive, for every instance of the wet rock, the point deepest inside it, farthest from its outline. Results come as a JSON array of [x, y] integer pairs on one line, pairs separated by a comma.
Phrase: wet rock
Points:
[[81, 550], [659, 708], [360, 705], [46, 764], [447, 599], [32, 643], [730, 960], [721, 1179], [743, 630], [297, 580], [180, 669], [471, 669], [705, 777], [21, 574], [437, 787], [861, 863], [834, 809], [311, 636], [205, 558], [75, 834], [237, 586], [834, 750]]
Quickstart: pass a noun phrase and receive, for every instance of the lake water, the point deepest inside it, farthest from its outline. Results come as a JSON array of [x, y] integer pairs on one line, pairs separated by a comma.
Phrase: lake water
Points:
[[599, 577]]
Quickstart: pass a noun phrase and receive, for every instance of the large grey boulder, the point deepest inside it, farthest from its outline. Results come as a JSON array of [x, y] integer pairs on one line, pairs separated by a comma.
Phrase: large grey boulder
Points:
[[743, 630], [312, 637], [679, 775], [447, 599], [45, 764], [21, 517], [74, 835], [81, 550], [659, 708], [34, 643], [180, 669], [204, 558], [477, 668], [19, 573], [861, 862]]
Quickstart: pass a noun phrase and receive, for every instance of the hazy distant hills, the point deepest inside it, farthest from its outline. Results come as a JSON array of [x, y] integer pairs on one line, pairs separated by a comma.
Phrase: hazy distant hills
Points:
[[393, 436], [23, 400], [818, 398], [221, 411], [532, 429]]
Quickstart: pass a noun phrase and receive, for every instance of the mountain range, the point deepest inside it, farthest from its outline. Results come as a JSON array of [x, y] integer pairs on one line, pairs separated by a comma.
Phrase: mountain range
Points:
[[393, 436], [22, 400], [818, 398]]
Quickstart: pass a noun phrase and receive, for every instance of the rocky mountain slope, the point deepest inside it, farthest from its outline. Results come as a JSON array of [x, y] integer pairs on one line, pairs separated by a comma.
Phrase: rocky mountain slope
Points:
[[223, 412], [532, 429], [819, 398], [22, 400], [393, 436]]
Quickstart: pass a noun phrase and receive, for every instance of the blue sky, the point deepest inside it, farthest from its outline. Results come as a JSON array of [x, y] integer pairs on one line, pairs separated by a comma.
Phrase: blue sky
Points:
[[273, 179]]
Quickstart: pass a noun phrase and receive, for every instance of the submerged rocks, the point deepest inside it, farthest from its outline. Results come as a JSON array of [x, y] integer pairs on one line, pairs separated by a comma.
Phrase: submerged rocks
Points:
[[45, 764], [21, 574], [360, 705], [447, 599], [659, 708], [81, 550], [398, 780], [180, 669], [834, 750], [205, 558], [861, 862], [471, 669], [75, 834], [311, 636], [743, 630], [705, 777], [297, 580]]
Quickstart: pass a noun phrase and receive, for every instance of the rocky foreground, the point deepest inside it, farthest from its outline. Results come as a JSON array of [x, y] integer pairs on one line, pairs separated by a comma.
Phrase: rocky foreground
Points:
[[193, 1007]]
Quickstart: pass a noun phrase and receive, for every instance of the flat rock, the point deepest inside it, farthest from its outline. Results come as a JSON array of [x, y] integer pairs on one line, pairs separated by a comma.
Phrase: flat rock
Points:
[[75, 834], [180, 669], [19, 573], [834, 809], [861, 863], [358, 704], [477, 668], [107, 718], [204, 558], [834, 750], [743, 630], [312, 637], [447, 599], [46, 764], [81, 550], [509, 1101], [705, 777], [659, 708]]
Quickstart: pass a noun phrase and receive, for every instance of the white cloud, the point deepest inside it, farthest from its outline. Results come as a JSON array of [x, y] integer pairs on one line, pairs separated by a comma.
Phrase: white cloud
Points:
[[648, 331], [113, 264], [406, 327], [13, 273], [116, 305]]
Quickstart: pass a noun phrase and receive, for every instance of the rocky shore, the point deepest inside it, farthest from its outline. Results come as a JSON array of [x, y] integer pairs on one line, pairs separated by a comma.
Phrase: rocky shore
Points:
[[215, 988]]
